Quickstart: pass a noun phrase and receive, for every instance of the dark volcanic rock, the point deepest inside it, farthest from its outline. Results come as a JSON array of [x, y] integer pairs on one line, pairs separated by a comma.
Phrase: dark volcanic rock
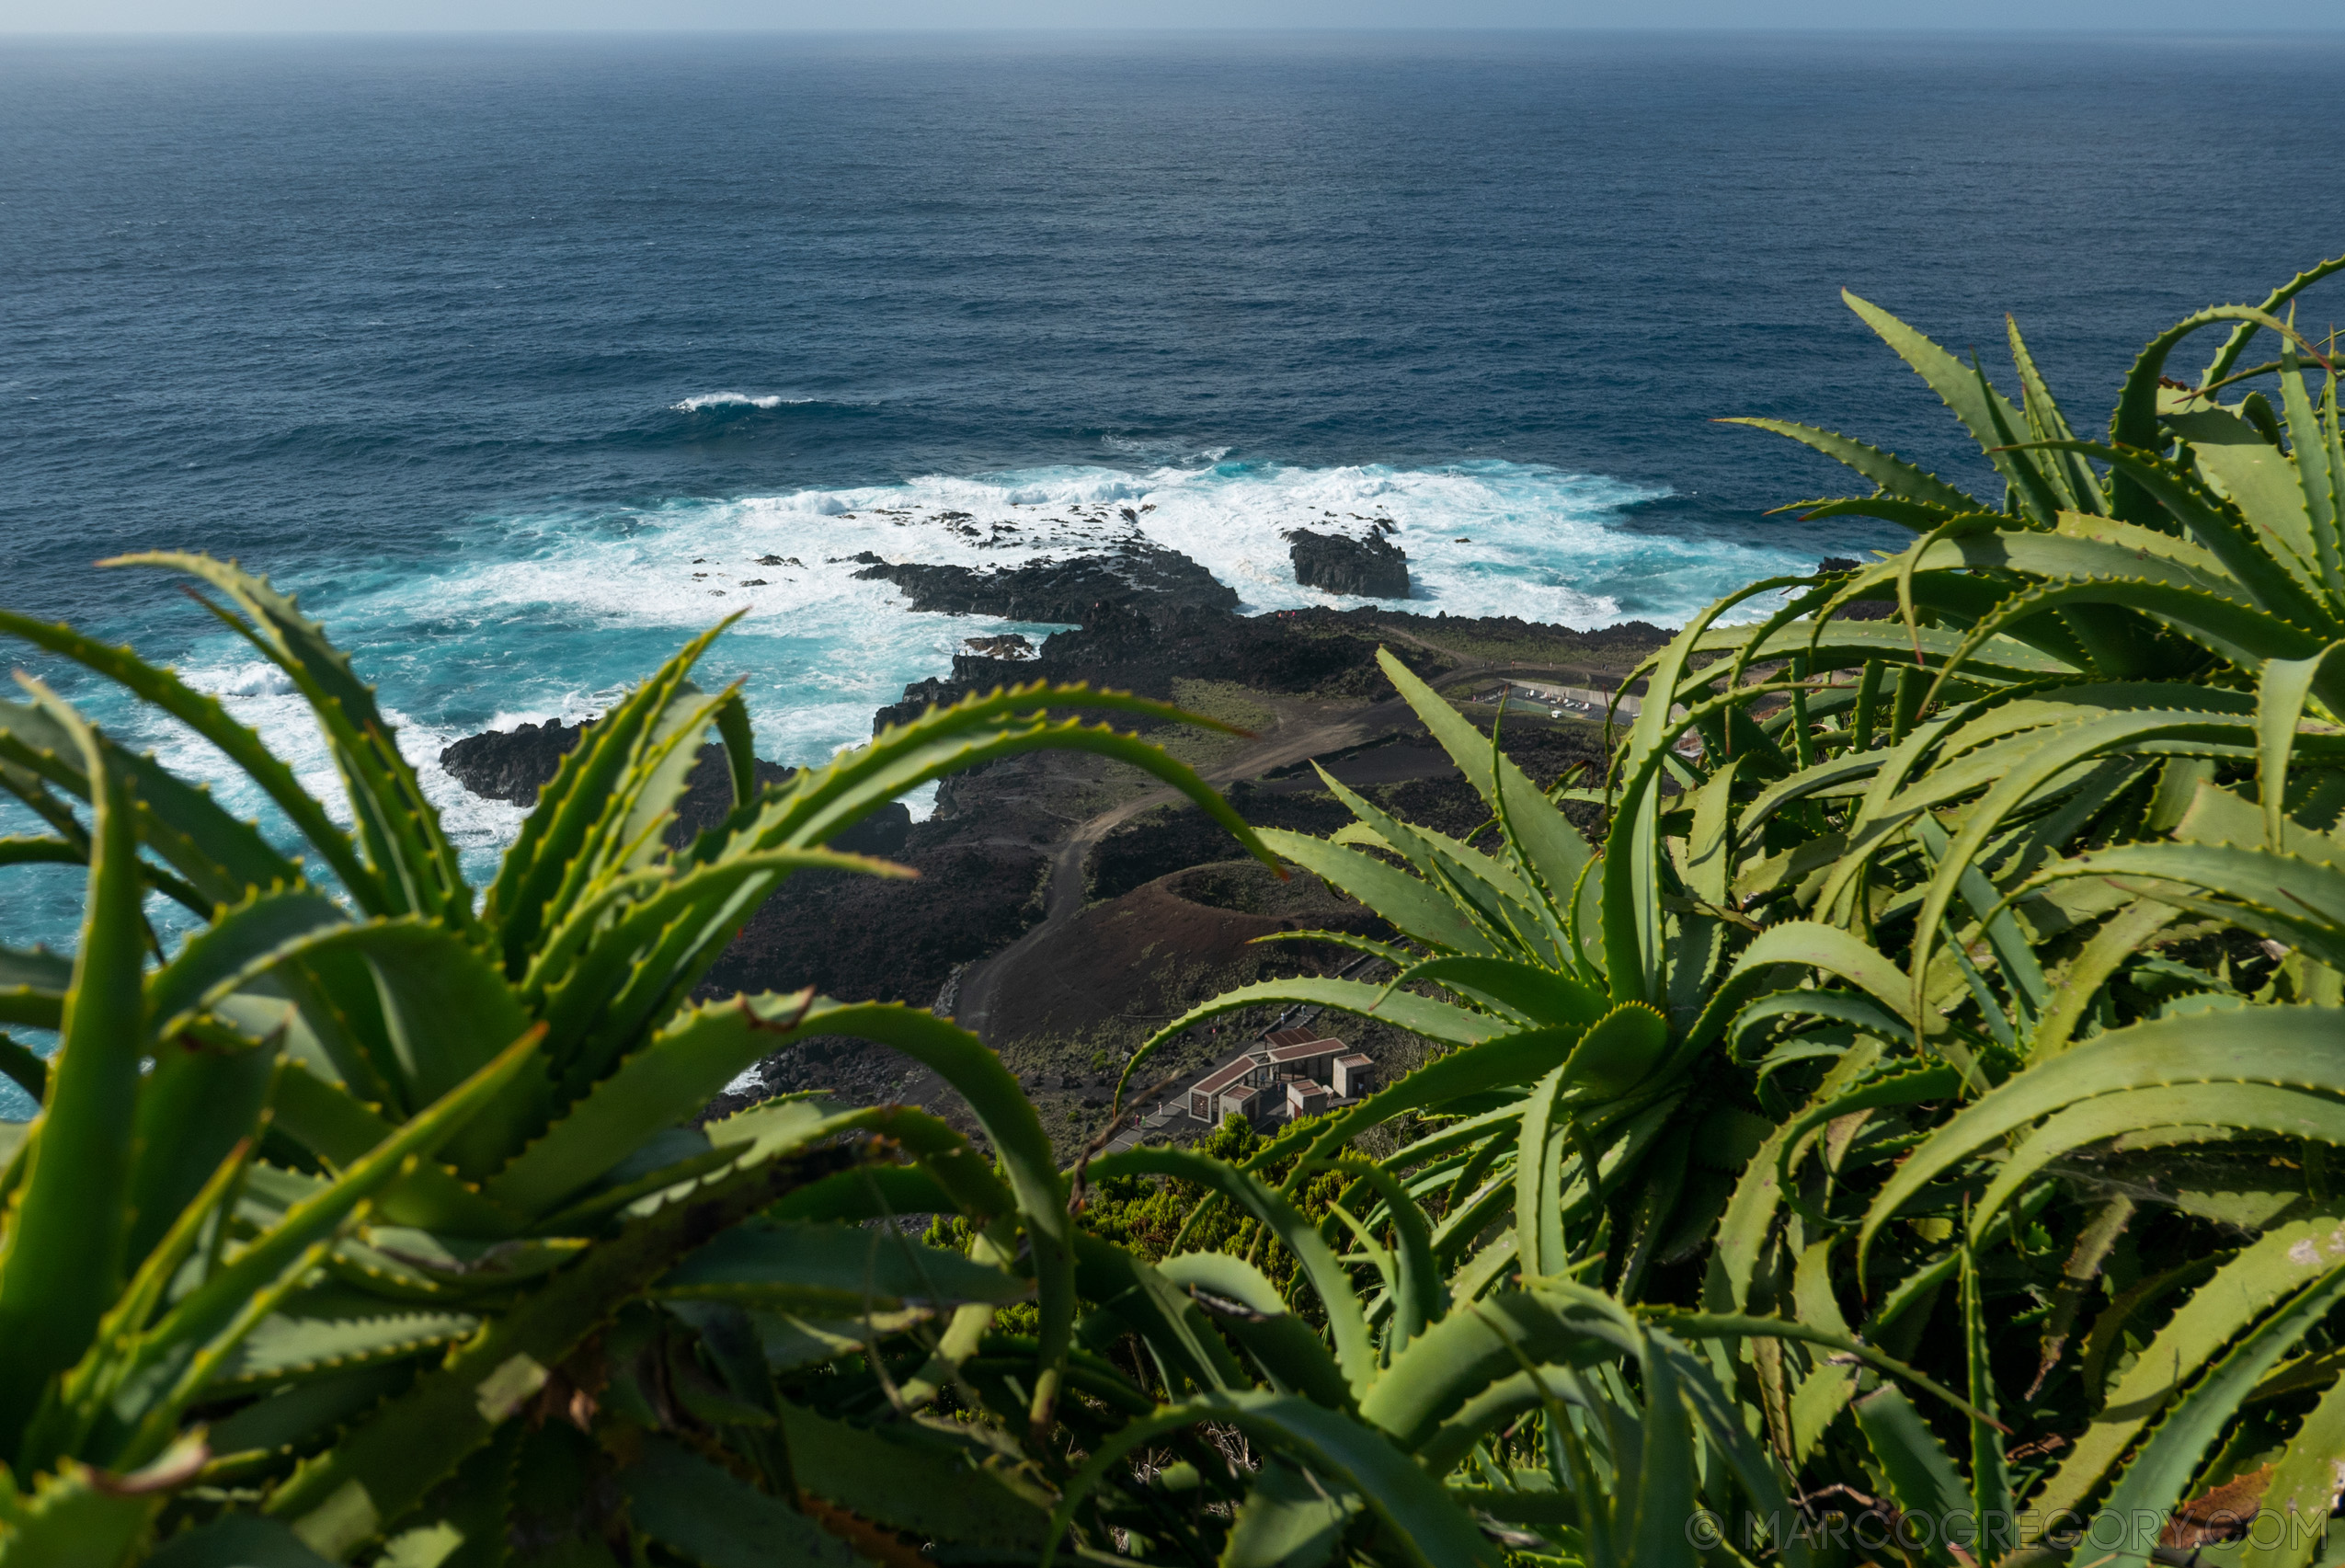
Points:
[[511, 764], [1336, 563], [1069, 591], [861, 938], [1009, 645], [1142, 648], [514, 764], [1857, 610]]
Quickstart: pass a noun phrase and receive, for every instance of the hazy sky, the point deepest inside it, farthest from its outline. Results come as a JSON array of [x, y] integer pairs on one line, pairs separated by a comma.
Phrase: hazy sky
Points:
[[341, 15]]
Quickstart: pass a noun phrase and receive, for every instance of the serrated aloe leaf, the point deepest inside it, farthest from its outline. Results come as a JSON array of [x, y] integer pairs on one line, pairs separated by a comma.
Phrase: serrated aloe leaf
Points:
[[1922, 1477], [1495, 900], [2280, 708], [2219, 528], [302, 1412], [208, 719], [1248, 1309], [1515, 1060], [791, 1342], [1482, 1345], [551, 863], [1808, 943], [823, 802], [1542, 1148], [75, 1517], [222, 858], [2227, 358], [239, 945], [705, 1515], [2287, 896], [2259, 479], [1426, 1527], [1420, 909], [1419, 1295], [1841, 644], [1291, 1520], [417, 865], [2058, 751], [675, 1073], [2291, 1045], [1328, 1278], [341, 1333], [1406, 1010], [618, 945], [444, 1010], [1496, 1408], [1131, 1298], [1722, 1326], [2081, 490], [2243, 1289], [815, 1269], [388, 1462], [145, 1383], [1619, 1052], [2303, 1487], [2233, 1108], [1544, 996], [200, 1099], [1892, 474], [911, 1477], [1984, 412], [67, 1232], [325, 1119], [33, 985], [2157, 1475], [2133, 422], [1634, 877], [655, 779], [465, 1263], [1010, 1122], [236, 1540]]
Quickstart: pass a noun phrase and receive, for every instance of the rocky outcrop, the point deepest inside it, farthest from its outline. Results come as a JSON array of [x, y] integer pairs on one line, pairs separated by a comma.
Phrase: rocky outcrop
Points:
[[511, 764], [514, 764], [1009, 645], [1372, 568], [1072, 592], [1860, 609]]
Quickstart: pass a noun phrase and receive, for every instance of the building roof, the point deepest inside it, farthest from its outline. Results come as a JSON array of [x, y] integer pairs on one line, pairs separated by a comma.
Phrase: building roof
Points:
[[1304, 1050], [1224, 1076], [1357, 1058], [1292, 1036]]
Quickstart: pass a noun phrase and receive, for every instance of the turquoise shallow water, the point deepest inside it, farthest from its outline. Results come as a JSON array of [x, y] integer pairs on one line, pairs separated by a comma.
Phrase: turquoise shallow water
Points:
[[487, 346]]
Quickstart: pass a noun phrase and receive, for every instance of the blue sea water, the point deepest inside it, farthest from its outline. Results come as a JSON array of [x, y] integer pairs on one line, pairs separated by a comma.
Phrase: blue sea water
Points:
[[488, 345]]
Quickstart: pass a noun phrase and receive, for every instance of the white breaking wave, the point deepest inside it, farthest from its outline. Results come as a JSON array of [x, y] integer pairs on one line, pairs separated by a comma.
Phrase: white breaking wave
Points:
[[556, 615], [733, 400]]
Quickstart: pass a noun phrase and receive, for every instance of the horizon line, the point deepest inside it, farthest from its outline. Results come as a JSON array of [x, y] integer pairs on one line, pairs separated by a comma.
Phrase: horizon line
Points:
[[2011, 30]]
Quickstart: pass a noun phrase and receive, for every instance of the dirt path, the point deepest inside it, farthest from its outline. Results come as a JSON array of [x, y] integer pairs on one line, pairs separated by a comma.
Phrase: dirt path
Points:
[[1297, 735]]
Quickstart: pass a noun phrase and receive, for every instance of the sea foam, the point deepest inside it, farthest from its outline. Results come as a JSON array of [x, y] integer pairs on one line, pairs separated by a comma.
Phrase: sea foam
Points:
[[556, 614]]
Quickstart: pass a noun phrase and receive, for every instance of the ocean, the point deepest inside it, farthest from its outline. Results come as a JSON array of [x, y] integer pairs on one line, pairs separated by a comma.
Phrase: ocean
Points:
[[516, 357]]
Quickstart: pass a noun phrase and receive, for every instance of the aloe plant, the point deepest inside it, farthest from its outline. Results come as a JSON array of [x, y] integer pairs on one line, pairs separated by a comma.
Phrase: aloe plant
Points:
[[2105, 719], [401, 1161], [1992, 955]]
